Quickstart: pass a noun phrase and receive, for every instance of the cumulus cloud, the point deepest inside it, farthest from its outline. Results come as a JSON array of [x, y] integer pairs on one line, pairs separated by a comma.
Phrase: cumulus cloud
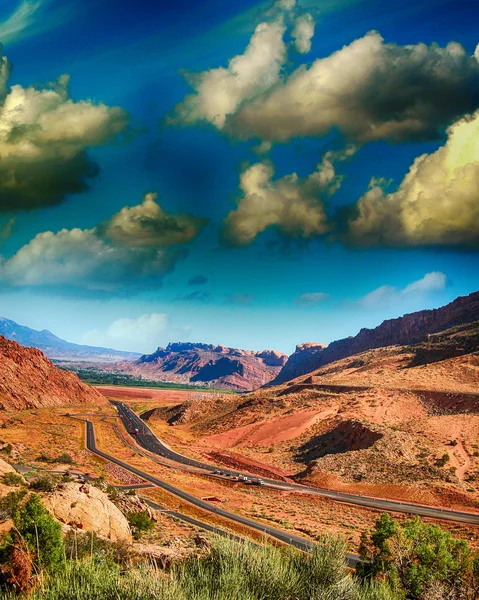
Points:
[[303, 32], [148, 225], [311, 298], [143, 334], [92, 259], [437, 203], [389, 295], [219, 92], [369, 90], [294, 205], [44, 138]]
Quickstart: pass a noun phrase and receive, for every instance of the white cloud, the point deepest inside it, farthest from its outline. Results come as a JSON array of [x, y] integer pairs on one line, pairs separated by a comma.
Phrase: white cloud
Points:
[[220, 91], [32, 17], [143, 334], [386, 295], [437, 203], [311, 298], [44, 137], [369, 90], [132, 257], [149, 225], [18, 21], [303, 33], [431, 282], [295, 206], [285, 4]]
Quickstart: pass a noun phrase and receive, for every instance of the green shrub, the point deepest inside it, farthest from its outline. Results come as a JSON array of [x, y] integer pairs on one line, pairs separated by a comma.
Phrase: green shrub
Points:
[[414, 557], [35, 527], [140, 523], [441, 462], [44, 483], [7, 449], [9, 504], [13, 478], [231, 571], [64, 458]]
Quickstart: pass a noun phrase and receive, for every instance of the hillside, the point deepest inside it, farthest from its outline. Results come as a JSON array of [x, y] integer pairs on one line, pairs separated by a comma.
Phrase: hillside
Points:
[[56, 348], [409, 329], [379, 422], [206, 364], [29, 380]]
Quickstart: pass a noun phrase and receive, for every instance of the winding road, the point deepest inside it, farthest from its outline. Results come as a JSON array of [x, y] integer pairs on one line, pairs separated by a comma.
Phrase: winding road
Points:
[[148, 440], [283, 536]]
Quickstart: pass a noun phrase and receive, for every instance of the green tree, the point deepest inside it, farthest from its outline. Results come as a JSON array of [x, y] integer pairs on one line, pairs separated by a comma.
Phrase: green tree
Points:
[[414, 557], [140, 522], [39, 531]]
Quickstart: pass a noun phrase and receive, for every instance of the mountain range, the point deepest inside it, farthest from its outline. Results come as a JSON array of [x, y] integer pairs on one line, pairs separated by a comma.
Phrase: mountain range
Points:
[[58, 349]]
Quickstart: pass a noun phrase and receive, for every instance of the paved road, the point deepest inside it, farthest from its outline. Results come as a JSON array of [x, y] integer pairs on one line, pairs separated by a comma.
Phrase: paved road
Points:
[[146, 438], [283, 536]]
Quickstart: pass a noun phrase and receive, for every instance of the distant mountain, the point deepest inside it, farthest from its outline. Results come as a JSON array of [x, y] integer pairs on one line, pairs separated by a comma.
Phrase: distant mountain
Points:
[[206, 364], [409, 329], [58, 349], [29, 380]]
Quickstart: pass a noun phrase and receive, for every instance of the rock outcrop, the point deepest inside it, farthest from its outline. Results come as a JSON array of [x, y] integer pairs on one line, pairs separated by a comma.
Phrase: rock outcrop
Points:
[[86, 508], [409, 329], [29, 380], [206, 364]]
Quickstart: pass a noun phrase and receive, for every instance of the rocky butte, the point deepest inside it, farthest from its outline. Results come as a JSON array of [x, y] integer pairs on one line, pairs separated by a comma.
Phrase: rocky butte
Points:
[[206, 364]]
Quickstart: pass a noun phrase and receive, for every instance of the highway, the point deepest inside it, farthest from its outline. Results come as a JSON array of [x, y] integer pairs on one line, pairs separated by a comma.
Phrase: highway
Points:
[[148, 440], [283, 536]]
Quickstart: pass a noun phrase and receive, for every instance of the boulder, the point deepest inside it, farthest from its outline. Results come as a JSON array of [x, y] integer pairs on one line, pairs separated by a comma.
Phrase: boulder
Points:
[[87, 508]]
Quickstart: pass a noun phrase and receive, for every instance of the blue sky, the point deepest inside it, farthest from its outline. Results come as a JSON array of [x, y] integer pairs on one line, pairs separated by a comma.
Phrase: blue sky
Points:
[[238, 173]]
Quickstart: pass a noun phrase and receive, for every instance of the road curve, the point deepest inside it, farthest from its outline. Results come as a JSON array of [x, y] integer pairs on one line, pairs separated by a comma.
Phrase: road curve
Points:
[[146, 438], [283, 536]]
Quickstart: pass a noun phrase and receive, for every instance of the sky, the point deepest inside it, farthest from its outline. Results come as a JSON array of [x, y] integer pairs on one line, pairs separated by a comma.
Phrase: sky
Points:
[[252, 174]]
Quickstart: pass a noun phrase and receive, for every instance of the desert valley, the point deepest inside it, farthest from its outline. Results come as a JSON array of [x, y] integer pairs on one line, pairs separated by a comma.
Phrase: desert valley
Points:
[[391, 415], [239, 300]]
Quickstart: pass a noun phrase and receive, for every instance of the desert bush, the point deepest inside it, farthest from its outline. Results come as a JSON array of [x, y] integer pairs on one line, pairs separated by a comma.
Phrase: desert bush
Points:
[[13, 479], [414, 557], [231, 571], [65, 458], [10, 503], [41, 533], [44, 483], [140, 522], [441, 462]]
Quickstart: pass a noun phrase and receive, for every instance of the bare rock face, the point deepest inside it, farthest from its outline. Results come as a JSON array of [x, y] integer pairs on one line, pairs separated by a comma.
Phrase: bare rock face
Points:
[[86, 508], [206, 364], [409, 329], [29, 380]]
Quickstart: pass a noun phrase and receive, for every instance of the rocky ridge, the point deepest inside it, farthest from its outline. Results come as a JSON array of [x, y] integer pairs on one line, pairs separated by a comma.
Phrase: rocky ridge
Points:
[[404, 331], [29, 380]]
